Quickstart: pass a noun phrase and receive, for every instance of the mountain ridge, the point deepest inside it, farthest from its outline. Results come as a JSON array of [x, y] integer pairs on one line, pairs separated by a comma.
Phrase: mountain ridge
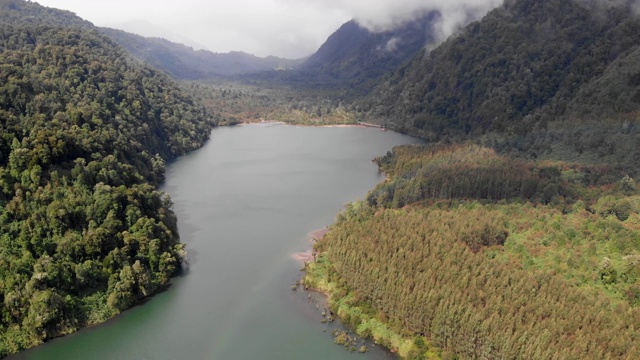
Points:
[[521, 79], [185, 63]]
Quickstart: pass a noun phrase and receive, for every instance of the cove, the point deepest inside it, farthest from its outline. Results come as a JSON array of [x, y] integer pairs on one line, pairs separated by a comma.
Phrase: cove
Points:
[[246, 203]]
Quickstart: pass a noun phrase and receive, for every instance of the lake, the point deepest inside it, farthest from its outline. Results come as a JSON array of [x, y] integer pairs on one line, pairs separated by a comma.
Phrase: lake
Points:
[[246, 203]]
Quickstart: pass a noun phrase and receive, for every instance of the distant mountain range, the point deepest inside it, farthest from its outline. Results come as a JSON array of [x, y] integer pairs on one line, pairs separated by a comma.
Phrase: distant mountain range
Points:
[[352, 57], [184, 63], [512, 75], [85, 130]]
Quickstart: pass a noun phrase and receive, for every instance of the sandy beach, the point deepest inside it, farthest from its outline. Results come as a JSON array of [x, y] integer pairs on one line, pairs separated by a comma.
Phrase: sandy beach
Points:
[[307, 256]]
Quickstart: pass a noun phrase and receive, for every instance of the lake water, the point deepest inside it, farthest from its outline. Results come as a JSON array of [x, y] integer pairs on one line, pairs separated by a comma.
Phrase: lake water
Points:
[[246, 203]]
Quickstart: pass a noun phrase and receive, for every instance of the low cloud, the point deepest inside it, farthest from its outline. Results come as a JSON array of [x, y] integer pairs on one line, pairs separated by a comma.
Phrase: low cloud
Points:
[[392, 44], [288, 28], [385, 15]]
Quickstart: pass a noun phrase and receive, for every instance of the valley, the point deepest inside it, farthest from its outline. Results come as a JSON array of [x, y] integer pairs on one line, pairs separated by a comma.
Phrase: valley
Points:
[[505, 223]]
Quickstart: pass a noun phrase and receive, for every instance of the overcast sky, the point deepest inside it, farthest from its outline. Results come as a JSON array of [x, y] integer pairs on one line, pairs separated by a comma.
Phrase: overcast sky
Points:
[[285, 28]]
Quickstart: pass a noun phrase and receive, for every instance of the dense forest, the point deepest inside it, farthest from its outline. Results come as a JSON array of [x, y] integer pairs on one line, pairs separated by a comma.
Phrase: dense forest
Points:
[[85, 131], [516, 233], [491, 258], [553, 79], [354, 57], [234, 103]]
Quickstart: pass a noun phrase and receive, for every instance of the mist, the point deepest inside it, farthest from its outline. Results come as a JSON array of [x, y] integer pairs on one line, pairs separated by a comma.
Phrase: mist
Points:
[[383, 16], [285, 28]]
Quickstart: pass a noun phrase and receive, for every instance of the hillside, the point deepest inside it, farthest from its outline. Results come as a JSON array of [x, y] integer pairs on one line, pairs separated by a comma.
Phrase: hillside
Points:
[[353, 59], [530, 73], [84, 134], [354, 55], [463, 253], [185, 63], [516, 233]]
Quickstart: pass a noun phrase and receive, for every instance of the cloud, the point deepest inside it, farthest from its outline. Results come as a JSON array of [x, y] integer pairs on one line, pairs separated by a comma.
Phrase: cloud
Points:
[[287, 28], [385, 15], [392, 44]]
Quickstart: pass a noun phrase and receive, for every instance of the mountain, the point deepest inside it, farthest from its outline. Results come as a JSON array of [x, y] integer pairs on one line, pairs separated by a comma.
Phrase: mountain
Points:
[[185, 63], [518, 72], [85, 131], [355, 54], [354, 58], [514, 233]]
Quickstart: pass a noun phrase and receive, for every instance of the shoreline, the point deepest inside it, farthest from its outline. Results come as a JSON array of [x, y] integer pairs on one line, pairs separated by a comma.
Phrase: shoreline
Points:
[[309, 256], [276, 122], [364, 324]]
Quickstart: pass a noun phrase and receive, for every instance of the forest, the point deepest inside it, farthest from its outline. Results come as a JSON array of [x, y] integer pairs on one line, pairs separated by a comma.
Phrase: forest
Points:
[[234, 103], [464, 253], [573, 95], [515, 233], [85, 131]]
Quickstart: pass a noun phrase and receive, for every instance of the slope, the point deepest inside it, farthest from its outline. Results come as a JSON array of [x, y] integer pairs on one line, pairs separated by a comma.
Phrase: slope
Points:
[[84, 134], [185, 63], [353, 59], [465, 252], [469, 254], [354, 55], [522, 68]]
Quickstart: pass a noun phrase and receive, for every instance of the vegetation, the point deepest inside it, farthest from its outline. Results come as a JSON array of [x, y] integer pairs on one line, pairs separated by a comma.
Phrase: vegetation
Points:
[[234, 103], [84, 135], [523, 275], [522, 244], [185, 63], [552, 79], [518, 245], [355, 58]]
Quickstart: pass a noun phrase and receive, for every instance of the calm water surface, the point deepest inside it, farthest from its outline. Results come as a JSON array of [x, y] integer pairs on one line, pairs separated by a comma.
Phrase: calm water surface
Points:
[[246, 202]]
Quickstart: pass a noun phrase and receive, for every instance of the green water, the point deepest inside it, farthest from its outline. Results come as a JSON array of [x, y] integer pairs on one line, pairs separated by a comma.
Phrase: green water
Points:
[[246, 203]]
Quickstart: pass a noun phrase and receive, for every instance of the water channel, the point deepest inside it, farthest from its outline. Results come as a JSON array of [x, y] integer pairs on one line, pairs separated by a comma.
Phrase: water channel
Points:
[[246, 203]]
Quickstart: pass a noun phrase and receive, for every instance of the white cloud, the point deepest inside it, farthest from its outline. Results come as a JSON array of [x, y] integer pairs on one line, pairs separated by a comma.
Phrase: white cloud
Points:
[[288, 28], [384, 15]]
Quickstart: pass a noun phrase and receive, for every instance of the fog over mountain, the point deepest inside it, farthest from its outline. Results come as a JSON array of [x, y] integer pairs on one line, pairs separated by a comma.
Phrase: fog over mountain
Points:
[[284, 28], [386, 15]]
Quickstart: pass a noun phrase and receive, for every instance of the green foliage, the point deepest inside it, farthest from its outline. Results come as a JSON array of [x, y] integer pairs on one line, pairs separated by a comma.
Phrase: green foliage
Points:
[[552, 78], [354, 57], [237, 103], [84, 134], [467, 172], [322, 276], [551, 274]]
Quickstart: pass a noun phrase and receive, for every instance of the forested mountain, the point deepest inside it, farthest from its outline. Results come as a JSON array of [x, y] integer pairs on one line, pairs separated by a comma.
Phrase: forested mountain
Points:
[[354, 55], [84, 134], [551, 76], [526, 247], [183, 62], [468, 254]]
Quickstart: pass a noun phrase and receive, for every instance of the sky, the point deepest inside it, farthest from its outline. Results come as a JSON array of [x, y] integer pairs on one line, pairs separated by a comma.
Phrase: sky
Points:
[[283, 28]]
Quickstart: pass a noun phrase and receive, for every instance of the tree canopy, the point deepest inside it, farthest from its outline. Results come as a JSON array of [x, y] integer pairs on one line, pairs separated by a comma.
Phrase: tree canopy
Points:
[[85, 131]]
